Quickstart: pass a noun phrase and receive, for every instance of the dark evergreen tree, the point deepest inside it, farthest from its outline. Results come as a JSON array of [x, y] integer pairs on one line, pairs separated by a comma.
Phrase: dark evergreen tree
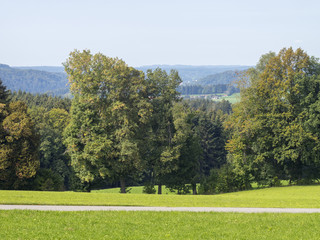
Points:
[[162, 93], [4, 93], [212, 139], [182, 157]]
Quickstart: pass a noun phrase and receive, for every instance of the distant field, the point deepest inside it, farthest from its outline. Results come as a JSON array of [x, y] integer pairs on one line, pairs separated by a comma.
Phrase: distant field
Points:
[[287, 197], [156, 225], [234, 98]]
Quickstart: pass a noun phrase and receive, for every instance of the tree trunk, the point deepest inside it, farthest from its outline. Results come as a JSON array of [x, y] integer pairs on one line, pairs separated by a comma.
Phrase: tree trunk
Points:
[[194, 189], [159, 188], [122, 185], [87, 187]]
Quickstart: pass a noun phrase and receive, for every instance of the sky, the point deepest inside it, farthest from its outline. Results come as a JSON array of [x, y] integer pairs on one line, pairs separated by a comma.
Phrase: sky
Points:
[[146, 32]]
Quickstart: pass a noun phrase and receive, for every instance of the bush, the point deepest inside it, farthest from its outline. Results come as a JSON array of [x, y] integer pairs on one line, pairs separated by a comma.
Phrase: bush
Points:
[[47, 180], [149, 188], [223, 180]]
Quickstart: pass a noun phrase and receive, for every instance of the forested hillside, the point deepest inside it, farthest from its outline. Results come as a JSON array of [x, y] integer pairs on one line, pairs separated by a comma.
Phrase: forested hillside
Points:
[[33, 81], [227, 77], [55, 69]]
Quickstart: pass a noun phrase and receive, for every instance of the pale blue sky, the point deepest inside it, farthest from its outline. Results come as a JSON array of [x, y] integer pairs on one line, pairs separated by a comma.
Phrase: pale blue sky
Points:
[[144, 32]]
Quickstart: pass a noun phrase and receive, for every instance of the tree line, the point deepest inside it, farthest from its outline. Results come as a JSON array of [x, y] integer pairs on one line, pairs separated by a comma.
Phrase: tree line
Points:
[[153, 140], [125, 127], [208, 89]]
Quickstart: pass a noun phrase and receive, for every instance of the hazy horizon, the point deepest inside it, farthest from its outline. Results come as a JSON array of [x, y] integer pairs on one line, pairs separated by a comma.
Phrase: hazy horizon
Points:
[[142, 33], [217, 65]]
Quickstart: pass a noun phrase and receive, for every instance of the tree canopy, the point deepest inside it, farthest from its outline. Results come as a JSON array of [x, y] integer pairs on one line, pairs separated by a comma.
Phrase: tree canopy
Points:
[[108, 110], [271, 135], [19, 146]]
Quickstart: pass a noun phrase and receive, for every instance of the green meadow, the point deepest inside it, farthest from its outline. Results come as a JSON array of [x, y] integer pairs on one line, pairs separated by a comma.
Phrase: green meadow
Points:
[[26, 224], [284, 197], [156, 225], [234, 98]]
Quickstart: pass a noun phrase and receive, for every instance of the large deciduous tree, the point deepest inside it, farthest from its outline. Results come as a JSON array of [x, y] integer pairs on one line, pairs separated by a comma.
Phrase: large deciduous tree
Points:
[[275, 124], [18, 146], [108, 111]]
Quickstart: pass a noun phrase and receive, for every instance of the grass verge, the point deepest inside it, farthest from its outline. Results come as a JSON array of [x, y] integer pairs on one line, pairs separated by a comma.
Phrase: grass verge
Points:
[[286, 197], [156, 225]]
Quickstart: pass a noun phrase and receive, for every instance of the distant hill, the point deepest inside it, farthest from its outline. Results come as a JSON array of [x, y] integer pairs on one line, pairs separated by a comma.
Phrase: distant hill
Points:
[[33, 81], [189, 74], [192, 74], [53, 79], [54, 69], [227, 77]]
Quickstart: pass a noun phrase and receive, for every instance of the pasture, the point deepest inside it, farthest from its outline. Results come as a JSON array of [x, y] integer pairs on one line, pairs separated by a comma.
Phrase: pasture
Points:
[[26, 224], [156, 225], [284, 197]]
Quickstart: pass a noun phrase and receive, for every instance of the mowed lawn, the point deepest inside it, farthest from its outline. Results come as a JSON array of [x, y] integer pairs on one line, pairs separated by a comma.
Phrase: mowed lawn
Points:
[[285, 197], [24, 224], [17, 224]]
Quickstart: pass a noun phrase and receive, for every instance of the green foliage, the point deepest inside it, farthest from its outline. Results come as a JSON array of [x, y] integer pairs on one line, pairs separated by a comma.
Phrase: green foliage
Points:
[[222, 180], [129, 127], [47, 180], [44, 100], [149, 188], [19, 146], [185, 151], [158, 150], [50, 124], [208, 106], [212, 139], [50, 115], [271, 137], [4, 93], [109, 108]]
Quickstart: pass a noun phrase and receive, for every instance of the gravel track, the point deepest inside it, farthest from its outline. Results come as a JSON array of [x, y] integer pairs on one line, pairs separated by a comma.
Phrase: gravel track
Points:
[[158, 209]]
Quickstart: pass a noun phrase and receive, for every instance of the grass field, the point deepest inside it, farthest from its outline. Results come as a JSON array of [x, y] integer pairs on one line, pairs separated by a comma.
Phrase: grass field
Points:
[[156, 225], [23, 224], [234, 98], [288, 197]]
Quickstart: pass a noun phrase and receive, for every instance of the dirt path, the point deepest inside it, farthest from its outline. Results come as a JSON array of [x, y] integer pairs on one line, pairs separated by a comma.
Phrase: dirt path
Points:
[[159, 209]]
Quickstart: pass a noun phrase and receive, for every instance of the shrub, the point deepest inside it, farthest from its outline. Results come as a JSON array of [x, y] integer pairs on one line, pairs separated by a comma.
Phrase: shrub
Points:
[[149, 188]]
